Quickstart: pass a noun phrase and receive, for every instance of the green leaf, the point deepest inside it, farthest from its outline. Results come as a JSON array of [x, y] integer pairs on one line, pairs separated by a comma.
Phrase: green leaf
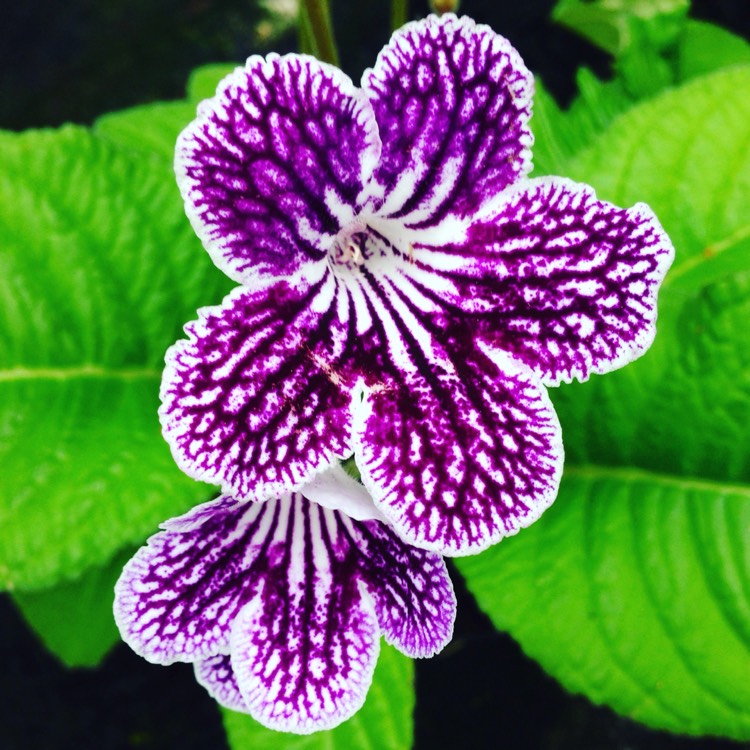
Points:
[[684, 153], [99, 270], [383, 723], [74, 619], [641, 574], [204, 80], [607, 23], [152, 128], [560, 135], [704, 48], [634, 588]]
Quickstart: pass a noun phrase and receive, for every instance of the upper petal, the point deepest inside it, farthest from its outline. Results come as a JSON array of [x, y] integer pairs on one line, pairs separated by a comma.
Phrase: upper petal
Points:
[[273, 165], [566, 282], [452, 101], [255, 399]]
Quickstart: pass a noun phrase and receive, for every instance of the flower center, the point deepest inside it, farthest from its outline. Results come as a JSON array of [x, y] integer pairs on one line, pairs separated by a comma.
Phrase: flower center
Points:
[[349, 249]]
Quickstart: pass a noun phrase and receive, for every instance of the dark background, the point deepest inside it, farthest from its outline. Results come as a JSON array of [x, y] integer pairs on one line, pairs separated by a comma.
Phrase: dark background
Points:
[[72, 60]]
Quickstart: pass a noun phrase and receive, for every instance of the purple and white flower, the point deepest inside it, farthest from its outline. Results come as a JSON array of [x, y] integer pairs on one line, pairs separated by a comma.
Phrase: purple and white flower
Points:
[[406, 294], [280, 605]]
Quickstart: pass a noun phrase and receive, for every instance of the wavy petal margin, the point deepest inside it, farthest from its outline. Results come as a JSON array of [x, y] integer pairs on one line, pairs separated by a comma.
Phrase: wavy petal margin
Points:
[[255, 400], [452, 100], [461, 453], [564, 281], [281, 605], [274, 164]]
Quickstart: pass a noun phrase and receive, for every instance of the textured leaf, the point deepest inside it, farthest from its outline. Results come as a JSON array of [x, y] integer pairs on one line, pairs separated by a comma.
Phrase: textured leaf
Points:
[[151, 127], [685, 153], [560, 135], [384, 723], [74, 619], [704, 48], [642, 574], [204, 80], [99, 269], [634, 588]]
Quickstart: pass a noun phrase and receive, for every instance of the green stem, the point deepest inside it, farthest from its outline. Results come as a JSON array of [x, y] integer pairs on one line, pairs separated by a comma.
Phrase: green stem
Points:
[[306, 39], [318, 17], [399, 13]]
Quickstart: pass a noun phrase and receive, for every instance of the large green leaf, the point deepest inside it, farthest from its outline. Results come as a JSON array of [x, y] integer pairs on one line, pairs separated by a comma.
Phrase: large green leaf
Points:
[[634, 588], [685, 153], [152, 128], [99, 269], [384, 723], [74, 619]]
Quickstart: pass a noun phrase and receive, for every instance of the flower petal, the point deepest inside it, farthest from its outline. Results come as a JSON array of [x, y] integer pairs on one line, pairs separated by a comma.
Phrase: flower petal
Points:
[[274, 164], [177, 597], [253, 400], [297, 593], [217, 676], [452, 100], [304, 648], [565, 282], [460, 453], [414, 598]]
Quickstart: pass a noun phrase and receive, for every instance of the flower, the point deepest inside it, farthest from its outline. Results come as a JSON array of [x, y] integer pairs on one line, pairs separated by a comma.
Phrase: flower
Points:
[[406, 291], [280, 605]]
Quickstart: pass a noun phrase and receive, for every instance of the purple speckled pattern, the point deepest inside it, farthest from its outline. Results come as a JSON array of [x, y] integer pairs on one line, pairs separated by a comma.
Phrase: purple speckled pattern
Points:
[[251, 400], [469, 451], [280, 605], [452, 102], [408, 290], [274, 161], [565, 282]]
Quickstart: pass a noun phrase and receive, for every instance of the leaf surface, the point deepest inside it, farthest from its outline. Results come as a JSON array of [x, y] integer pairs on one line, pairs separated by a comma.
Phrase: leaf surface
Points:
[[99, 270], [634, 588]]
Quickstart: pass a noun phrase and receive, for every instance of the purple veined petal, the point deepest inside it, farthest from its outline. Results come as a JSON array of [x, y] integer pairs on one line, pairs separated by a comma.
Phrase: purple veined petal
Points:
[[217, 676], [300, 673], [256, 399], [177, 598], [452, 100], [459, 453], [274, 164], [414, 598], [295, 593], [304, 648], [563, 281]]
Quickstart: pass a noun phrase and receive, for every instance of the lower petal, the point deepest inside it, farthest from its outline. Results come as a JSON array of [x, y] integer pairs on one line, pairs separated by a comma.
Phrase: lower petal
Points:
[[304, 661], [217, 676], [177, 597], [414, 598], [460, 453]]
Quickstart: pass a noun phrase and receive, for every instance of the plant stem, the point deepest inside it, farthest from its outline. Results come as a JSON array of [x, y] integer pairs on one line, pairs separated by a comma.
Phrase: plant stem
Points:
[[399, 13], [306, 39], [317, 16]]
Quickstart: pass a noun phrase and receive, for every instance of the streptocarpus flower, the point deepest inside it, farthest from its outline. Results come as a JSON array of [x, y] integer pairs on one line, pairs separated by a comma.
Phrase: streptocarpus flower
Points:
[[406, 291], [280, 605]]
